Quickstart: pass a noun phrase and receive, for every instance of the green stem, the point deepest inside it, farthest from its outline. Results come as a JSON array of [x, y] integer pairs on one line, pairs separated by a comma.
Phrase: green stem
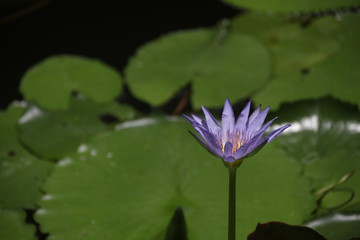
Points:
[[232, 204]]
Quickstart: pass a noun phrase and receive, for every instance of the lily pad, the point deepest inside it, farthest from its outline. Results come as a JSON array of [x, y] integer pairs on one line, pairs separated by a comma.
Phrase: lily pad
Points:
[[21, 174], [337, 226], [324, 137], [53, 134], [128, 183], [51, 82], [293, 46], [286, 5], [13, 227], [338, 75], [220, 64]]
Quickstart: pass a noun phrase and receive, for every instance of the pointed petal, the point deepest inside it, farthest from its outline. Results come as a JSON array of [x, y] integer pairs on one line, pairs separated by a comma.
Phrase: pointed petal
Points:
[[212, 141], [266, 125], [240, 125], [203, 144], [247, 147], [253, 116], [211, 122], [195, 125], [271, 136], [191, 121], [256, 124], [227, 121], [249, 134], [197, 118], [268, 138], [260, 144]]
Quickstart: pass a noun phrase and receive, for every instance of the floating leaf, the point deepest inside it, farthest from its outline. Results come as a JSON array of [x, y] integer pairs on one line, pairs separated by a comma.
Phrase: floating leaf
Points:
[[218, 63], [338, 75], [21, 174], [325, 137], [139, 175], [293, 47], [286, 5], [51, 82], [337, 226], [13, 227], [53, 134]]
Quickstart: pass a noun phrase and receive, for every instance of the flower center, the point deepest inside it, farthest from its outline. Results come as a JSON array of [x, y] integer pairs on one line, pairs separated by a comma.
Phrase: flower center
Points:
[[235, 140]]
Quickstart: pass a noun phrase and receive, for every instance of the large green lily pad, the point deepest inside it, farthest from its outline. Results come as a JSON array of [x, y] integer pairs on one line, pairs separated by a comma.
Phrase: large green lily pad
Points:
[[53, 134], [293, 46], [127, 185], [13, 227], [338, 75], [324, 137], [21, 174], [51, 82], [337, 226], [293, 5], [220, 64]]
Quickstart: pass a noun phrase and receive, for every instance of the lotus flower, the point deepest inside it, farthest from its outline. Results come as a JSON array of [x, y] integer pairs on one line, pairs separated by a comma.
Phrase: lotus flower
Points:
[[234, 141]]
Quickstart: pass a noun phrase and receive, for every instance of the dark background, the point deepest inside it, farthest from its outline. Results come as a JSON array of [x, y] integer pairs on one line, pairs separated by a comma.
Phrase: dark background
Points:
[[31, 30]]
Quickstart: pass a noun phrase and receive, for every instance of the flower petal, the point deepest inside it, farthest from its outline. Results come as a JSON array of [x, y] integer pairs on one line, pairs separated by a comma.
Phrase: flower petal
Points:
[[256, 124], [229, 159], [248, 147], [202, 143], [195, 124], [211, 122], [271, 136], [228, 149], [197, 118], [253, 116], [227, 121], [211, 141], [266, 125], [241, 121]]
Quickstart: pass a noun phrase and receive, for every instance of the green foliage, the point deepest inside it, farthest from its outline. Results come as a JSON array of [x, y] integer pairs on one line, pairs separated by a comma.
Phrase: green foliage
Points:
[[293, 5], [337, 226], [226, 64], [292, 46], [12, 225], [120, 178], [272, 59], [328, 133], [142, 174], [37, 127], [21, 174], [336, 75], [51, 82]]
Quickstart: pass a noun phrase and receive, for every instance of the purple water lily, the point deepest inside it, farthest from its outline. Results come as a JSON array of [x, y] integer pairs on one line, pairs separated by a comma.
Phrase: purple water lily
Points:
[[233, 141]]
